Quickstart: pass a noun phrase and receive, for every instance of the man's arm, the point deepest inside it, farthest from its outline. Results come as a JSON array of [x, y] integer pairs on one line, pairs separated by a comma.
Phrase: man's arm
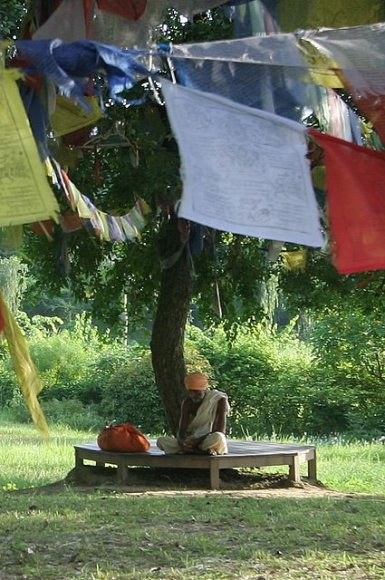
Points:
[[183, 422], [220, 417]]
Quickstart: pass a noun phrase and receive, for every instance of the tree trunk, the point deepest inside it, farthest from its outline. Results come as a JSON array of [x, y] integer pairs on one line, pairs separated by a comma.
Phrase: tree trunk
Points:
[[167, 342]]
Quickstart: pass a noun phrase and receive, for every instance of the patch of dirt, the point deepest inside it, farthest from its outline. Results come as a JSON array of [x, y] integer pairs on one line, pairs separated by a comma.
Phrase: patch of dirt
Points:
[[167, 478], [157, 481]]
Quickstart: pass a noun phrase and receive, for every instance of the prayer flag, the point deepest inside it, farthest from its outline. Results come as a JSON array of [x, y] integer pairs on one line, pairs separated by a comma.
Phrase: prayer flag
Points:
[[295, 260], [360, 55], [25, 370], [69, 117], [355, 178], [265, 72], [25, 195], [133, 9], [244, 170]]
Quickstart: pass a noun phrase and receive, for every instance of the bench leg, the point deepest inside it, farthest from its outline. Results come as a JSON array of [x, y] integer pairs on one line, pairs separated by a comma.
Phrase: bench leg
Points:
[[122, 473], [294, 473], [78, 460], [312, 467], [214, 475]]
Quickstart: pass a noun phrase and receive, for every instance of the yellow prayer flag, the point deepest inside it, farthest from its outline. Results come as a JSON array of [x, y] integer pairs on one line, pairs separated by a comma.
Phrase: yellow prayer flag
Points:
[[312, 14], [324, 70], [25, 195], [25, 369], [294, 260], [318, 175], [69, 116]]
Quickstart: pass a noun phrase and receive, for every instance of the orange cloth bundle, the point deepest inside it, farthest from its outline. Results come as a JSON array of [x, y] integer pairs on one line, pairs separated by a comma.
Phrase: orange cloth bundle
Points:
[[124, 438]]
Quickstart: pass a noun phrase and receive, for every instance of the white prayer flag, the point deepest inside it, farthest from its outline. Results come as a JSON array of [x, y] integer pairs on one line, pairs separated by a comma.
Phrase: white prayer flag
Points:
[[244, 170]]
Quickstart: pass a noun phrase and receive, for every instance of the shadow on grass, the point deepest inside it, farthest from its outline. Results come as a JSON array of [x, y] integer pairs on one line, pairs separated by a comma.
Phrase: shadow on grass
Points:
[[146, 479]]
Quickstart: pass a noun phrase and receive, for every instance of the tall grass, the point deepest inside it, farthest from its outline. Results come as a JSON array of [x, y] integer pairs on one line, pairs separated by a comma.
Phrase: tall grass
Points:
[[357, 467], [28, 460]]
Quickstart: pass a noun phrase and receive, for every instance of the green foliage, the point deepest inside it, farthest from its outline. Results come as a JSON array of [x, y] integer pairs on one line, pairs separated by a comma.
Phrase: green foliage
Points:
[[37, 303], [350, 348], [264, 376], [91, 388], [277, 384], [100, 269], [131, 396], [13, 281], [11, 15], [72, 413]]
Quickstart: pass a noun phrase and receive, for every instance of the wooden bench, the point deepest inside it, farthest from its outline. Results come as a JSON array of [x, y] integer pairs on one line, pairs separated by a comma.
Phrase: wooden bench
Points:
[[241, 454]]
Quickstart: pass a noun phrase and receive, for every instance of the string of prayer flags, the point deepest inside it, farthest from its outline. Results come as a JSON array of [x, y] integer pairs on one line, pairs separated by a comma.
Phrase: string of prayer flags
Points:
[[27, 375], [360, 55], [25, 195], [355, 178], [113, 228], [244, 170]]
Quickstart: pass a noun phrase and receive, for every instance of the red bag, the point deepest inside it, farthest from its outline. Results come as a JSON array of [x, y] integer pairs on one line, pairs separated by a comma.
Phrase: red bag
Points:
[[124, 438]]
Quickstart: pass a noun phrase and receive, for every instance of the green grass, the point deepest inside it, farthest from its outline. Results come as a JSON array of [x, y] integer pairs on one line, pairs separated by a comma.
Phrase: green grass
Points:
[[67, 533], [28, 460]]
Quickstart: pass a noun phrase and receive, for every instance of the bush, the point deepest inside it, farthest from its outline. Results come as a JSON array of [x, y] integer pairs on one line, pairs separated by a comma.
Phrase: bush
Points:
[[277, 384], [263, 375], [74, 414], [71, 412], [350, 348], [131, 396]]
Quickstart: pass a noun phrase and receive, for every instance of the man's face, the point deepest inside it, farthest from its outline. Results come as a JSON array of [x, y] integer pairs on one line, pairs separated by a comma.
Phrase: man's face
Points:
[[196, 395]]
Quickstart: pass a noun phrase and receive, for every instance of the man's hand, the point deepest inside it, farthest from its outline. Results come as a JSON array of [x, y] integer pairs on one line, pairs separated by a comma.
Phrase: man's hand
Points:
[[191, 443]]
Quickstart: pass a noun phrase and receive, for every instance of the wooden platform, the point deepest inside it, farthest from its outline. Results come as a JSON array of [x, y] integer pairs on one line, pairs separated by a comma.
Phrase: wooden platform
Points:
[[241, 454]]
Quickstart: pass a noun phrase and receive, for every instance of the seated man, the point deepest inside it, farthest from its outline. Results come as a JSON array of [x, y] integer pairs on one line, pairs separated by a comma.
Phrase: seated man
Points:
[[202, 424]]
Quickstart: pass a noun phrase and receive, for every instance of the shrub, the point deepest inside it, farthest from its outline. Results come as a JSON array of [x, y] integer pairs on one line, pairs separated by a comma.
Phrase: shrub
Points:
[[131, 396], [74, 414], [92, 387], [263, 374]]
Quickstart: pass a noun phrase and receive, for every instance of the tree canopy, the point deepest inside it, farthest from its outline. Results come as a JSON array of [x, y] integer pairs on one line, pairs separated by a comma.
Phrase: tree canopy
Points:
[[215, 277]]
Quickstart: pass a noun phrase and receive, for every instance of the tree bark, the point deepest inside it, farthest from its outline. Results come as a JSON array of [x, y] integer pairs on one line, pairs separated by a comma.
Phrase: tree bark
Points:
[[167, 341]]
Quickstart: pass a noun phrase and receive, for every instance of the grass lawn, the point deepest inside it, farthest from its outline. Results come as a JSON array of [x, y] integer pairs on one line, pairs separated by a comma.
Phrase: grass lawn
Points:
[[68, 532]]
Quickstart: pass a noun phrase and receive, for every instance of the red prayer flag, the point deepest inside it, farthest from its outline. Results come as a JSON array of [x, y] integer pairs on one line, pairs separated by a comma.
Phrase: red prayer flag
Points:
[[130, 9], [355, 181], [373, 107]]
